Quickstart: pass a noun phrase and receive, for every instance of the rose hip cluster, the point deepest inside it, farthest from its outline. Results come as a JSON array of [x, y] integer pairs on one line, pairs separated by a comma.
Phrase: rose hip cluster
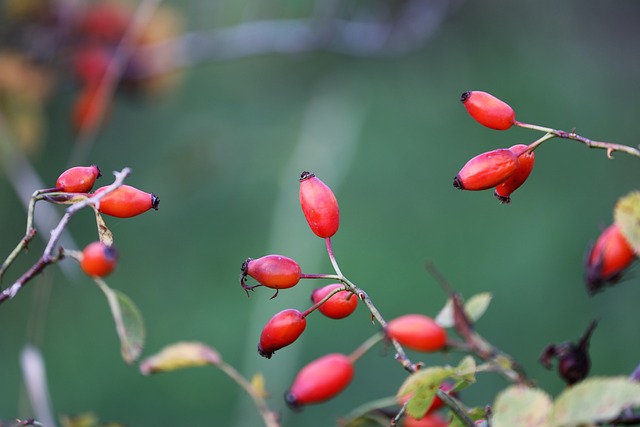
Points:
[[328, 375], [504, 169]]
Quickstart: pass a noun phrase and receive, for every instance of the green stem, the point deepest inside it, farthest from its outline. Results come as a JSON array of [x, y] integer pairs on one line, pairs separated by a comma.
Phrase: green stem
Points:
[[367, 345]]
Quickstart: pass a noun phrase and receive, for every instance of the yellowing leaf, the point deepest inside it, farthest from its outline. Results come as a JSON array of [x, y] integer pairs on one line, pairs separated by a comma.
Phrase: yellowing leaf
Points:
[[521, 406], [179, 356], [474, 308], [627, 217], [105, 234], [257, 382], [595, 400], [422, 386]]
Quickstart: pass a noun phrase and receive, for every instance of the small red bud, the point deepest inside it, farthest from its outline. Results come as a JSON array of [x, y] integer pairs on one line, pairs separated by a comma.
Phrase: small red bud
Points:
[[319, 205], [339, 306], [273, 271], [486, 170], [280, 331], [519, 176], [417, 332], [488, 110], [608, 259], [126, 201], [79, 179]]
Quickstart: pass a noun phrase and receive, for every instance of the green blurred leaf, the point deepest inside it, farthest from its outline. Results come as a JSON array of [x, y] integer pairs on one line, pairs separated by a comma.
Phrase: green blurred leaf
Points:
[[422, 387], [595, 400], [185, 355], [104, 233], [128, 320], [474, 308], [521, 406], [87, 419], [627, 217]]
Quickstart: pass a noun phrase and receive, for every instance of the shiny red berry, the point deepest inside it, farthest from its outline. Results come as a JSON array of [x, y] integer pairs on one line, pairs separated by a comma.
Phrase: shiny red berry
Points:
[[429, 420], [283, 329], [273, 271], [320, 380], [488, 110], [126, 201], [608, 259], [519, 176], [486, 170], [319, 205], [417, 332], [338, 306], [98, 259], [79, 179]]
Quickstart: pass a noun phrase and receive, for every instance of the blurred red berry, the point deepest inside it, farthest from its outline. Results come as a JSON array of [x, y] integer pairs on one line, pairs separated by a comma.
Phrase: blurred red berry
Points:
[[273, 271], [488, 110], [104, 21], [126, 201], [417, 332], [320, 380], [486, 170], [608, 259], [319, 205], [90, 64], [79, 179], [429, 420], [519, 176], [280, 331], [339, 306], [91, 107], [98, 259]]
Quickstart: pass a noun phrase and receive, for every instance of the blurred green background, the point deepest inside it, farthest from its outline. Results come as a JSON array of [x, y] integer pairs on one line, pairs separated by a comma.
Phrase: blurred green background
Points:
[[223, 151]]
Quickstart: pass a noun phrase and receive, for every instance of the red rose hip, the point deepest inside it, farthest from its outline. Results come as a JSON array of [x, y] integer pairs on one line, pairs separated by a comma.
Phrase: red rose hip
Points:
[[488, 110], [98, 259], [486, 170], [608, 259], [79, 179], [417, 332], [280, 331], [519, 176], [126, 201], [273, 271], [338, 306], [320, 380], [319, 206]]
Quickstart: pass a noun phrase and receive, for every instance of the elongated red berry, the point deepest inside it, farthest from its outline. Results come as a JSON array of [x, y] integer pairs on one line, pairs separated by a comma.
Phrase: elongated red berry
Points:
[[488, 110], [280, 331], [486, 170], [417, 332], [338, 306], [79, 179], [319, 205], [519, 176], [126, 201], [608, 259], [320, 380], [98, 259], [273, 271]]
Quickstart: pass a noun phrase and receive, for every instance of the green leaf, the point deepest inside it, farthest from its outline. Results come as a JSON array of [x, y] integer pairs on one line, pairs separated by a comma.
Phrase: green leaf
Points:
[[627, 217], [181, 355], [104, 233], [466, 370], [595, 400], [474, 308], [521, 406], [128, 320], [422, 386]]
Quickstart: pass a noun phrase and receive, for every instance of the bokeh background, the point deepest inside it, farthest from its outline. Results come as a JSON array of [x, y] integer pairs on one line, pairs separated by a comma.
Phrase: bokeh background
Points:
[[375, 114]]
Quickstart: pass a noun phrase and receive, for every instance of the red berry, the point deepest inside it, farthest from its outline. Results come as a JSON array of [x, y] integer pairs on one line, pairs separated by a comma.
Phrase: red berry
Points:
[[98, 259], [319, 205], [320, 380], [486, 170], [79, 179], [283, 329], [525, 165], [91, 106], [126, 201], [417, 332], [608, 259], [339, 306], [104, 21], [273, 271], [429, 420], [90, 64], [488, 110]]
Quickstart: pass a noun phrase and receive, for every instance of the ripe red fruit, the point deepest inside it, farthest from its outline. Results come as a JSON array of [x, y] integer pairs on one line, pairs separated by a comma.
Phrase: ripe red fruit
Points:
[[79, 179], [320, 380], [429, 420], [91, 106], [98, 259], [486, 170], [608, 259], [126, 201], [104, 22], [90, 64], [417, 332], [273, 271], [339, 306], [525, 166], [488, 110], [280, 331], [319, 205]]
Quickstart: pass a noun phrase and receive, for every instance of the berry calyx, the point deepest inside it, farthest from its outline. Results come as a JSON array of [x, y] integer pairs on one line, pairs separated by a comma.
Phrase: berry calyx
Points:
[[319, 206], [486, 170], [280, 331], [79, 179], [320, 380], [519, 176], [573, 358], [339, 305], [126, 201], [273, 271], [98, 259], [608, 259], [488, 110], [417, 332]]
